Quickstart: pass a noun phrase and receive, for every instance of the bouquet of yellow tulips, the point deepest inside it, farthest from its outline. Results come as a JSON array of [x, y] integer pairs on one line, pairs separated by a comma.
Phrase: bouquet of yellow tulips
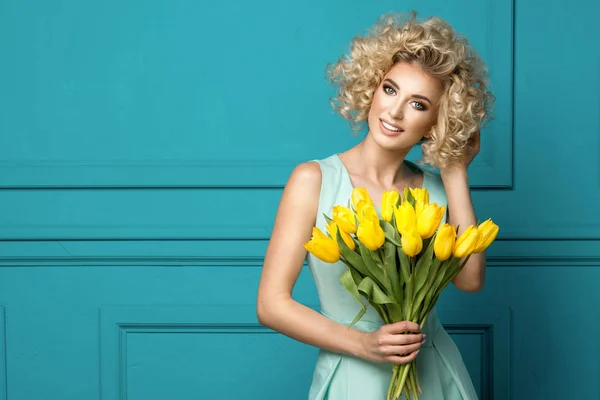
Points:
[[399, 263]]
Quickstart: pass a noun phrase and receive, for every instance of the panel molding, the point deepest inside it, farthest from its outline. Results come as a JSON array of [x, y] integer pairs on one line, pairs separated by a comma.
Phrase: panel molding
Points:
[[493, 324], [116, 322], [3, 361], [209, 253], [496, 173]]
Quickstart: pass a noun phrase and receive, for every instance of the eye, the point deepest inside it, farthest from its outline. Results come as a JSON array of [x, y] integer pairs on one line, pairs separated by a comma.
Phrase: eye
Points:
[[419, 106], [389, 90]]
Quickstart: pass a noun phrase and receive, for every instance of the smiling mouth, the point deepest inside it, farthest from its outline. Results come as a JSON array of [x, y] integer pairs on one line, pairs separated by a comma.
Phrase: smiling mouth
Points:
[[391, 127]]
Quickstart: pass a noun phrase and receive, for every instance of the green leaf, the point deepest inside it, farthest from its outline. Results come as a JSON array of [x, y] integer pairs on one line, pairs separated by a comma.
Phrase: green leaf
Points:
[[371, 290], [358, 317], [442, 274], [410, 198], [436, 287], [404, 265], [327, 219], [424, 278], [408, 298], [357, 276], [452, 268], [389, 252], [390, 232], [395, 312], [427, 244], [376, 271], [423, 267], [352, 257], [349, 283], [455, 270]]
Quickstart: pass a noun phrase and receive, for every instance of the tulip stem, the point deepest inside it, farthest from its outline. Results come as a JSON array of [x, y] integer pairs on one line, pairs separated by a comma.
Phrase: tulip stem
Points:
[[412, 288]]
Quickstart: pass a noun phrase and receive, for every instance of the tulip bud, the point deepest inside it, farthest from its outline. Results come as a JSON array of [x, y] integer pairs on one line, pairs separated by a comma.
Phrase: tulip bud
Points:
[[388, 203], [444, 242], [367, 211], [465, 244], [428, 221], [406, 218], [344, 218], [419, 194], [412, 244], [333, 228], [419, 207], [369, 232], [323, 247], [358, 195], [488, 231]]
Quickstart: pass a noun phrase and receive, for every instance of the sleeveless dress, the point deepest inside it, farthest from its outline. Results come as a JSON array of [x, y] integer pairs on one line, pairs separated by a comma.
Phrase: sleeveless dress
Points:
[[440, 367]]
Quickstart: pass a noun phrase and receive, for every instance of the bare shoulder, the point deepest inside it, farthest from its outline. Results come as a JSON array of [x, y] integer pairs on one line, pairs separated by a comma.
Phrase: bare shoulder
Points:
[[301, 193], [307, 172], [305, 176]]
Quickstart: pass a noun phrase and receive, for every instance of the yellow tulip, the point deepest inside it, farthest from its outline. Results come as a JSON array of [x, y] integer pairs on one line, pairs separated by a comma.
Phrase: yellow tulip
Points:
[[488, 231], [358, 195], [367, 211], [419, 194], [323, 247], [412, 244], [428, 221], [419, 207], [332, 227], [344, 218], [388, 203], [406, 218], [369, 231], [444, 241], [465, 244]]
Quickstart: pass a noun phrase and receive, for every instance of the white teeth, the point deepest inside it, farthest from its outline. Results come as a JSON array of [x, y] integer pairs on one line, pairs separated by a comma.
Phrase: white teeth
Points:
[[390, 127]]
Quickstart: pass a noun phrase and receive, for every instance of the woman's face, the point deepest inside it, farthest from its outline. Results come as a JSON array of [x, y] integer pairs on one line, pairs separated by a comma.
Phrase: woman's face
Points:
[[404, 107]]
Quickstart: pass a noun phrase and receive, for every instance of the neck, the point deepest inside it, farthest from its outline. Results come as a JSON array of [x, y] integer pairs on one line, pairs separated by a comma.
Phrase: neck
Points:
[[380, 165]]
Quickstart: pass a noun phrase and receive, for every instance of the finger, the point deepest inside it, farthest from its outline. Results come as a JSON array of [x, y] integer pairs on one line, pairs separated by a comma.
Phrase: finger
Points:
[[402, 359], [403, 326], [401, 339], [400, 350]]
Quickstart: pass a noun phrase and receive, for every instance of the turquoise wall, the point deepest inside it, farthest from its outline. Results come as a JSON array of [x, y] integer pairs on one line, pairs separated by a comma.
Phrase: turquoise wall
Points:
[[143, 150]]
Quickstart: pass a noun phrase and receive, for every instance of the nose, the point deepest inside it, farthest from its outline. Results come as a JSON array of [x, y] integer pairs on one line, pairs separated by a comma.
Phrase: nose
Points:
[[396, 110]]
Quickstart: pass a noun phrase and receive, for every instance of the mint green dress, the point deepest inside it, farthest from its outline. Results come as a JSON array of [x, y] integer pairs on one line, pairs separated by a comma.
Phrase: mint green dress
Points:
[[440, 367]]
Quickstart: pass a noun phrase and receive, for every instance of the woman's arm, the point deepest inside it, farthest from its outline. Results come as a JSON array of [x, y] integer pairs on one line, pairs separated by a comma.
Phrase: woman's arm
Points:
[[461, 213], [284, 258]]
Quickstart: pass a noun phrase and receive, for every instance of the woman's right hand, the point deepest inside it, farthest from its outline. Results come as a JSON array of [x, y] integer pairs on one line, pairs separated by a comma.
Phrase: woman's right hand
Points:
[[396, 343]]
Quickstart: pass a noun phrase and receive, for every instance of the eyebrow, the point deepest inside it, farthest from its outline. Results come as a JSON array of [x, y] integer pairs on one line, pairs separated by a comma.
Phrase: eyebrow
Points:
[[418, 96]]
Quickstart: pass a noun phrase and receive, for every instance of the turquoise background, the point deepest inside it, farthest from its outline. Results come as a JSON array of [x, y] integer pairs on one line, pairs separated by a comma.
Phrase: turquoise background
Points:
[[143, 150]]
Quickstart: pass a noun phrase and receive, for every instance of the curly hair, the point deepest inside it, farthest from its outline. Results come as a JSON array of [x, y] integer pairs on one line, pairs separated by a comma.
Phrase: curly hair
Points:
[[438, 50]]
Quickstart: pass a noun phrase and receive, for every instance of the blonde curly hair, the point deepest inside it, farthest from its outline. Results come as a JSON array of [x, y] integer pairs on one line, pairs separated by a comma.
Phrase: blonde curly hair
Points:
[[438, 50]]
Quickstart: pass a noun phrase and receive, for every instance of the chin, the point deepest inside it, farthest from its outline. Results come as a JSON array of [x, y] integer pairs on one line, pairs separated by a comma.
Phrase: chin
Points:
[[390, 143]]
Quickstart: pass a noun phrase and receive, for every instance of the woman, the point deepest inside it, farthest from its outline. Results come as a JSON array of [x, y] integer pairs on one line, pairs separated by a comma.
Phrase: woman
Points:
[[413, 83]]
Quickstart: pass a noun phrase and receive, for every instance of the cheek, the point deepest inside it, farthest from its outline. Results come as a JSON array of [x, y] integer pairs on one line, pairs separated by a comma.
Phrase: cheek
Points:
[[423, 122], [376, 103]]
